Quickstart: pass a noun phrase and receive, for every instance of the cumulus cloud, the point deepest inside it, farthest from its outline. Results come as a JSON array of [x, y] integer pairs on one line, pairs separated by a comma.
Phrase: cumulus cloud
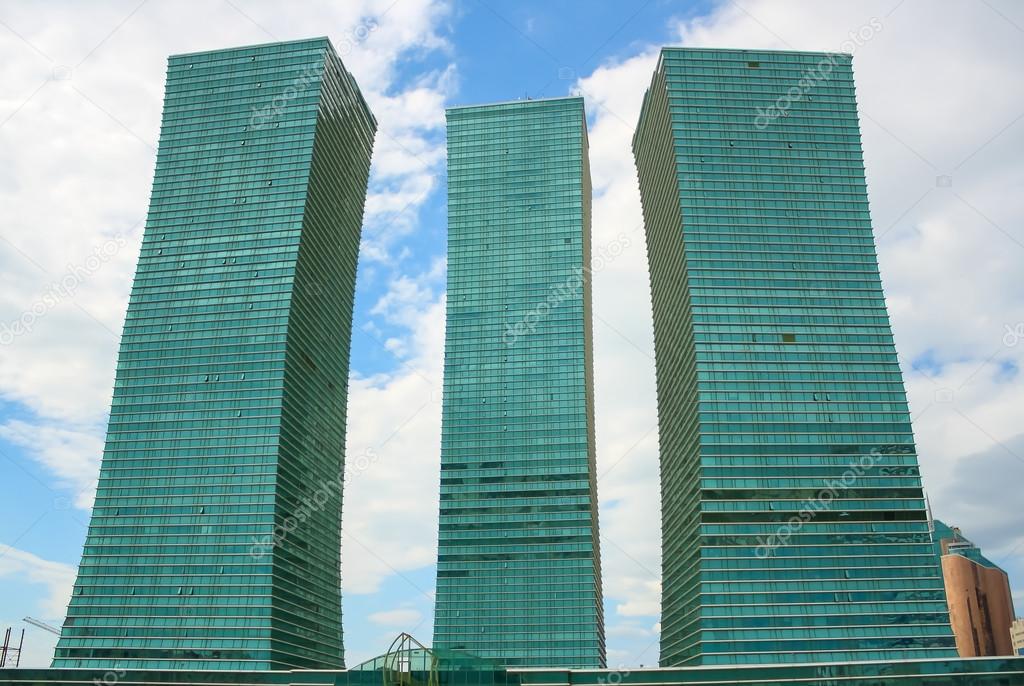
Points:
[[79, 118], [71, 455], [56, 576], [19, 568], [391, 500], [398, 619]]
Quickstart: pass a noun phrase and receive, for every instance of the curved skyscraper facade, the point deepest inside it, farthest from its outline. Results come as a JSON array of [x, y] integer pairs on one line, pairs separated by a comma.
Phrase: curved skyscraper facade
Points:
[[215, 536]]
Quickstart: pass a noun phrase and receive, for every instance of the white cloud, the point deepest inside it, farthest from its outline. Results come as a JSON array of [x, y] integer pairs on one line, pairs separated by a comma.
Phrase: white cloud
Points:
[[643, 599], [408, 158], [407, 296], [72, 456], [59, 578], [390, 518], [399, 618], [631, 630], [18, 567], [627, 432], [78, 127]]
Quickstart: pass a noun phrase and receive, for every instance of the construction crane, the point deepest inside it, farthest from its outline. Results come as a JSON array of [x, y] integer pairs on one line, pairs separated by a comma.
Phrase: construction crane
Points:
[[42, 625], [8, 653]]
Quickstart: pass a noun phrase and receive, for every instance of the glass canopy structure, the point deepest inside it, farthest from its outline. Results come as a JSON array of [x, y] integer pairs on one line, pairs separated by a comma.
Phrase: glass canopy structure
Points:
[[1008, 671]]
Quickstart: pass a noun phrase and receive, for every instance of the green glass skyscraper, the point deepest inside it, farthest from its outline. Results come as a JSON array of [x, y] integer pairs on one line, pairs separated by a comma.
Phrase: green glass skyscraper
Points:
[[794, 528], [518, 561], [215, 536]]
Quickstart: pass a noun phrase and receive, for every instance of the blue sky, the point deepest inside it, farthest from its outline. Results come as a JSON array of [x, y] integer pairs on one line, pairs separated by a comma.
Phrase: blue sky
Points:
[[79, 118]]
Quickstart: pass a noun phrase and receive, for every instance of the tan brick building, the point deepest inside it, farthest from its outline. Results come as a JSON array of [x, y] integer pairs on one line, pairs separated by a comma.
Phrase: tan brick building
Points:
[[978, 595]]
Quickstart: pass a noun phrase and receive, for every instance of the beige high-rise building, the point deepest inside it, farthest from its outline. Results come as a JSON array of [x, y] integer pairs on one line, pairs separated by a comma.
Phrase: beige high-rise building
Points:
[[1017, 636]]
